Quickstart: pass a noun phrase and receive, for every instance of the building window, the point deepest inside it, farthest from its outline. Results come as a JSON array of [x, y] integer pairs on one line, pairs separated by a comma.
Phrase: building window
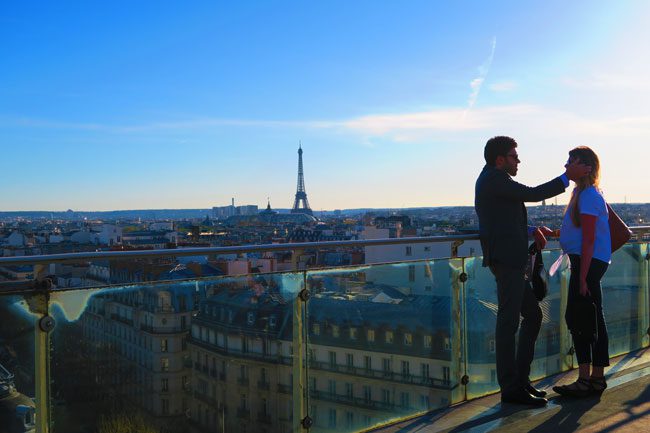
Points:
[[263, 375], [424, 370], [185, 382], [446, 375], [353, 333], [331, 419], [425, 402], [335, 331], [163, 345], [250, 318], [272, 322], [447, 343], [409, 251], [367, 362], [331, 386], [265, 406], [316, 329], [406, 369], [164, 403], [349, 390], [367, 393], [164, 385], [385, 362], [492, 346], [411, 273], [349, 419], [408, 339], [349, 360], [332, 356], [385, 396], [405, 399], [428, 339], [164, 364], [371, 335], [389, 337]]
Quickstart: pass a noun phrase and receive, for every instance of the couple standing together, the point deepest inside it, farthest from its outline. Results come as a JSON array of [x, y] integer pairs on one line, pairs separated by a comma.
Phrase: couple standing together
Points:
[[504, 233]]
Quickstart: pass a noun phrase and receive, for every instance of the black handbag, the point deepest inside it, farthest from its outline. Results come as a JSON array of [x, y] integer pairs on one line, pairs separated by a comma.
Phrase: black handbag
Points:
[[581, 319], [536, 273]]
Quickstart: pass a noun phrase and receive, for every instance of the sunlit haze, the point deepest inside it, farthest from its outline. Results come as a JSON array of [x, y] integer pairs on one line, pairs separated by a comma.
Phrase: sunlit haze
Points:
[[136, 105]]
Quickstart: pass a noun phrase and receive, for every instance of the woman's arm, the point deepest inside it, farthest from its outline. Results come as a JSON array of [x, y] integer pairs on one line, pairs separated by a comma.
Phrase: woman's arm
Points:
[[588, 224]]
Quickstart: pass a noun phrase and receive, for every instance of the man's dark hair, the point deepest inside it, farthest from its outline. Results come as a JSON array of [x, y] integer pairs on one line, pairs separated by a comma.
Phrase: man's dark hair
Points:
[[498, 146]]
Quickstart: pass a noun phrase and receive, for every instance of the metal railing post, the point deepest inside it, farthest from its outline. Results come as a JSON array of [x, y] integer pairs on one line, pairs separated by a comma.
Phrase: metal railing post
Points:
[[39, 304], [643, 328], [566, 342], [457, 335], [301, 421]]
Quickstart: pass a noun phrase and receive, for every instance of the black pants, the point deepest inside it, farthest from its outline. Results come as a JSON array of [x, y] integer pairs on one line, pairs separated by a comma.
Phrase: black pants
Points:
[[516, 300], [598, 351]]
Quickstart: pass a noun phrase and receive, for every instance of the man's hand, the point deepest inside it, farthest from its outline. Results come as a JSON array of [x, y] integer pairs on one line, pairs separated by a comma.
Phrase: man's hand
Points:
[[576, 170], [540, 238], [546, 231]]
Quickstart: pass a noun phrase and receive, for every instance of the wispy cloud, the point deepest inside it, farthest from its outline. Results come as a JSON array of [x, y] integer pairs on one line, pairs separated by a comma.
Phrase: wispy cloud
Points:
[[198, 123], [618, 82], [449, 124], [503, 86], [483, 70]]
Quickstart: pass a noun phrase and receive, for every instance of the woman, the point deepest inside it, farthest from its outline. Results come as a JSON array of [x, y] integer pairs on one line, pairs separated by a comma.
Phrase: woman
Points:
[[585, 237]]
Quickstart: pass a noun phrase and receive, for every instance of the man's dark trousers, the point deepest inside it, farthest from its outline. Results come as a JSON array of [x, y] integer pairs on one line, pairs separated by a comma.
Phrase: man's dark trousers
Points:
[[503, 228], [516, 299]]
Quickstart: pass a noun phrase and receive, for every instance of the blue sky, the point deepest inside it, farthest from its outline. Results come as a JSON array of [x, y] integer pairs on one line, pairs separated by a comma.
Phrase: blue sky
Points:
[[130, 105]]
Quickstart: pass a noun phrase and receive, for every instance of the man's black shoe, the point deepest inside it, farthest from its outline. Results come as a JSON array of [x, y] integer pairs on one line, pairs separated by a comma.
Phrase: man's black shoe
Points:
[[523, 397], [534, 391]]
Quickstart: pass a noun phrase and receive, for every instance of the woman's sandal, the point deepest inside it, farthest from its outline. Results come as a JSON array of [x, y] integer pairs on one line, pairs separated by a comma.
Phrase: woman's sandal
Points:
[[580, 388], [598, 384]]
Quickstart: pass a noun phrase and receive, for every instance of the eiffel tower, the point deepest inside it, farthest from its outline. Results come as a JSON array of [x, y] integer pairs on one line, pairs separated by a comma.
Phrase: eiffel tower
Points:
[[301, 205]]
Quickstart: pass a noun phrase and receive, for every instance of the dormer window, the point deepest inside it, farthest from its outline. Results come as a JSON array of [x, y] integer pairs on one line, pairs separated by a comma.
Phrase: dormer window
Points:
[[316, 329], [335, 331], [272, 322]]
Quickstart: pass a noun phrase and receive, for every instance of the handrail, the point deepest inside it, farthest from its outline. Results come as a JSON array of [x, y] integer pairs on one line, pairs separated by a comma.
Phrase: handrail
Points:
[[184, 252], [180, 252]]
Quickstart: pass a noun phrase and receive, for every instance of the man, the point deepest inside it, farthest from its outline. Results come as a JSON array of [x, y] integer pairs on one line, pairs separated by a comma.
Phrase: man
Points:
[[504, 232]]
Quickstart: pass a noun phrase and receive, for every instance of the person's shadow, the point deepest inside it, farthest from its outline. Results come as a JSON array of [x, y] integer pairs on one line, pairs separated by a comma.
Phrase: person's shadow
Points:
[[498, 412], [568, 418]]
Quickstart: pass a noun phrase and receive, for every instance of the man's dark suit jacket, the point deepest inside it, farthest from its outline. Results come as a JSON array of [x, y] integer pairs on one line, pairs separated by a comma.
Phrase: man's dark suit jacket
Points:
[[502, 216]]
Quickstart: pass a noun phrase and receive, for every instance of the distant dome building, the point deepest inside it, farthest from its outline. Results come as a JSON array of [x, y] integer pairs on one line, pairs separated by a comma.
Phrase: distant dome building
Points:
[[270, 217]]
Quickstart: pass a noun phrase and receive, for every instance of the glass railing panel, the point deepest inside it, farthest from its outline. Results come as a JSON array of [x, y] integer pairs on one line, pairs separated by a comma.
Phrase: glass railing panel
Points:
[[18, 354], [384, 342], [118, 271], [625, 299], [205, 355], [551, 352]]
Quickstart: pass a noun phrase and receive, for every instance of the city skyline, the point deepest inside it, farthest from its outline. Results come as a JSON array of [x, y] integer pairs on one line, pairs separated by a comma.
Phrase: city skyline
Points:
[[142, 107]]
